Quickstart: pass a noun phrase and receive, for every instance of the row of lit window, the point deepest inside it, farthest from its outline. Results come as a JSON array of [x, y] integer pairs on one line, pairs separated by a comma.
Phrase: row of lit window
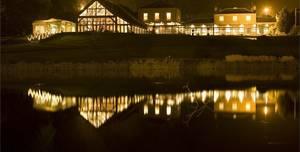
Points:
[[234, 18], [157, 16]]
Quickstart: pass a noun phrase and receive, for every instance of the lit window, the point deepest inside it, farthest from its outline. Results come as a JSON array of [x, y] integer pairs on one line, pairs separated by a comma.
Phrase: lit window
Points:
[[248, 18], [234, 18], [156, 16], [221, 106], [248, 107], [234, 106], [221, 18], [145, 16], [169, 16]]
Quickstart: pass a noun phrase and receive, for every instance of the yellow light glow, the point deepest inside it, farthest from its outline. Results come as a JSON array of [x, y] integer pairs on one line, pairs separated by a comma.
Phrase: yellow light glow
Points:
[[192, 26], [169, 16], [216, 96], [234, 18], [221, 18], [156, 16], [145, 16], [156, 110], [145, 109], [203, 94], [265, 110], [248, 107], [169, 110], [221, 106], [227, 95], [234, 106], [241, 95], [248, 18], [267, 10]]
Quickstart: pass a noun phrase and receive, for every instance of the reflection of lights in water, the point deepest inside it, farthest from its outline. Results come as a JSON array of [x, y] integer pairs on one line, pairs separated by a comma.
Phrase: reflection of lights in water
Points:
[[248, 107], [169, 110], [253, 96], [221, 106], [216, 96], [227, 95], [265, 110], [156, 110], [170, 102], [266, 95], [241, 96], [234, 116], [203, 94], [145, 109], [234, 106]]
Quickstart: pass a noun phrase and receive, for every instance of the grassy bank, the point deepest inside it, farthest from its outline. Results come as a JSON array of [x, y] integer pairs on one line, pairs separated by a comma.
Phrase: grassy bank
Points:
[[95, 47]]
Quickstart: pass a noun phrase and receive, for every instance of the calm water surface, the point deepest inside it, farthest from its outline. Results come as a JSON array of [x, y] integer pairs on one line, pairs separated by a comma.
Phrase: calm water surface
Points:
[[44, 117]]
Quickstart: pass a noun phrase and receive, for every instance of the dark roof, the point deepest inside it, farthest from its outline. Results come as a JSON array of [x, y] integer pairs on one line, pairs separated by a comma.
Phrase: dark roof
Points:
[[234, 10], [199, 21], [118, 10], [160, 4], [266, 19]]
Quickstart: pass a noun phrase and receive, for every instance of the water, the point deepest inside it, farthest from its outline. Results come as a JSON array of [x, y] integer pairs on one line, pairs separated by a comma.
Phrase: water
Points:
[[144, 115]]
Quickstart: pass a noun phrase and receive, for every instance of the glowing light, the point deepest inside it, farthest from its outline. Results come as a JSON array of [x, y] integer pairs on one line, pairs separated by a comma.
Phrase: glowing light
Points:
[[221, 106], [156, 110], [248, 18], [241, 95], [266, 10], [156, 16], [253, 95], [169, 110], [145, 109], [203, 94], [234, 18], [169, 16], [234, 106], [192, 26], [248, 107], [234, 116], [228, 30], [227, 95], [221, 18], [145, 16], [265, 110], [216, 96], [241, 30]]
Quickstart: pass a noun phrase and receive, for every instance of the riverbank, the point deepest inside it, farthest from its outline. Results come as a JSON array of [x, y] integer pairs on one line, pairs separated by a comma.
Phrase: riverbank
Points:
[[99, 47]]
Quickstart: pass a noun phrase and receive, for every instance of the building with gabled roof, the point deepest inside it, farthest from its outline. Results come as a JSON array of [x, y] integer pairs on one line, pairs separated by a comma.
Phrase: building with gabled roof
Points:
[[104, 15]]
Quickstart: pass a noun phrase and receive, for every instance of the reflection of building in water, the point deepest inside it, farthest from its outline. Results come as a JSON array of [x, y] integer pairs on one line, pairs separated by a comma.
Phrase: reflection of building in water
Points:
[[50, 102], [233, 103], [163, 106], [226, 103], [97, 110]]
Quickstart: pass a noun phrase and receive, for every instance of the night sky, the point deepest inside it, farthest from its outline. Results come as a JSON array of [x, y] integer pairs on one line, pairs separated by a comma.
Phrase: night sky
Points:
[[202, 8]]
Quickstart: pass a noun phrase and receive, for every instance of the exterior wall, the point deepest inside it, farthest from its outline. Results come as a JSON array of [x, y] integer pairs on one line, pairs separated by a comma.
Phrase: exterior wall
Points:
[[161, 25], [240, 26], [175, 15]]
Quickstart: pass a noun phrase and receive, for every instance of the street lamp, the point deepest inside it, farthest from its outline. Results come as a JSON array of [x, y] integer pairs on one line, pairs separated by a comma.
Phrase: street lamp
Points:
[[267, 11]]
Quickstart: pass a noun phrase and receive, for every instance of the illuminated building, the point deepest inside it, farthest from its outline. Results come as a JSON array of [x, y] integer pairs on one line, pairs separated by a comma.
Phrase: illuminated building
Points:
[[45, 28], [232, 104], [161, 17], [104, 15]]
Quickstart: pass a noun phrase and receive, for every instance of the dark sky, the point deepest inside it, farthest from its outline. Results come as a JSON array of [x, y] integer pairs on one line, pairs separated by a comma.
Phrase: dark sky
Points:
[[202, 8]]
